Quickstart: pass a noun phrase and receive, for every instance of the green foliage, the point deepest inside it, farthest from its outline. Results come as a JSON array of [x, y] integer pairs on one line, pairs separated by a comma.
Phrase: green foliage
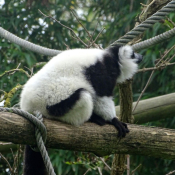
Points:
[[118, 17], [77, 162]]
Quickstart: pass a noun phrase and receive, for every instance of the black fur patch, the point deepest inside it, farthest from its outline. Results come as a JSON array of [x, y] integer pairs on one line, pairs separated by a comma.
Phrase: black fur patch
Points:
[[64, 106], [97, 119], [133, 55], [103, 75], [33, 163]]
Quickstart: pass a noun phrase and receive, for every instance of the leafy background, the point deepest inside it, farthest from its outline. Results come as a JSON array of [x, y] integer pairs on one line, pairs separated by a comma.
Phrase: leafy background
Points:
[[117, 17]]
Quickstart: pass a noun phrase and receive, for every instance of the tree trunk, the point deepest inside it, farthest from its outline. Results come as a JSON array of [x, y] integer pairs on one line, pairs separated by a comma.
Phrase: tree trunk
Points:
[[125, 90]]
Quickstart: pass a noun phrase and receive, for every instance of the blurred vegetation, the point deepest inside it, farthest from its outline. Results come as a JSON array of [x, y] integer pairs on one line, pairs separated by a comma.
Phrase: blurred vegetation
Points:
[[117, 17]]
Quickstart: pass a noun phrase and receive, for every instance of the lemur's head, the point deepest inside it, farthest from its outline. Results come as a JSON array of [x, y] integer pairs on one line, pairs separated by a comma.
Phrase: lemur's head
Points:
[[127, 61], [126, 52]]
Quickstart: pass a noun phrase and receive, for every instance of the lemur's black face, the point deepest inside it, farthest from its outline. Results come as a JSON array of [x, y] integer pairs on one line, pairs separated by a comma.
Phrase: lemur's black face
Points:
[[138, 58]]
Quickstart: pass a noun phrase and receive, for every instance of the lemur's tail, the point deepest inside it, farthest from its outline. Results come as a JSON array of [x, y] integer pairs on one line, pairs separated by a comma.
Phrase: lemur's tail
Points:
[[33, 163]]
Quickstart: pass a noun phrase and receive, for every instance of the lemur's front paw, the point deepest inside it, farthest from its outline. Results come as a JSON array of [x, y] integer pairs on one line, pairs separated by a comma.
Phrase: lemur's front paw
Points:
[[120, 126]]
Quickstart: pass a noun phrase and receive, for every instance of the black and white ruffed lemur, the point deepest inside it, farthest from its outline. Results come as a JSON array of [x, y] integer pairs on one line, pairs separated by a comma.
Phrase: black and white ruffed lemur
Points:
[[77, 86]]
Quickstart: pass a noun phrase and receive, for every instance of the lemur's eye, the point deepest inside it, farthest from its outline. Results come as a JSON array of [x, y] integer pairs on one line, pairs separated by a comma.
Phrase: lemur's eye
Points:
[[133, 55]]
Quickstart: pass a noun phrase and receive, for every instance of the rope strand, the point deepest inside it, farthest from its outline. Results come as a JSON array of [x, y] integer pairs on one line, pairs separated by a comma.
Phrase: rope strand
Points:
[[149, 22], [155, 40], [40, 134]]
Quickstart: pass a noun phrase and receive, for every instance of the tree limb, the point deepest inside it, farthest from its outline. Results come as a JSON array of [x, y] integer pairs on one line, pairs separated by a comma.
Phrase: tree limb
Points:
[[153, 109], [157, 142], [148, 110]]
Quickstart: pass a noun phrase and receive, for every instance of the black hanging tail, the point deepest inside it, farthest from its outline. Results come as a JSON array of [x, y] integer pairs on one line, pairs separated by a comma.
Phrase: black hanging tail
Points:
[[33, 163]]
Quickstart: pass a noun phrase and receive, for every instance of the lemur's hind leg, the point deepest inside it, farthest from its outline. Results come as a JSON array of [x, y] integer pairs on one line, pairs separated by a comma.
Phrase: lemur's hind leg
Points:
[[76, 109]]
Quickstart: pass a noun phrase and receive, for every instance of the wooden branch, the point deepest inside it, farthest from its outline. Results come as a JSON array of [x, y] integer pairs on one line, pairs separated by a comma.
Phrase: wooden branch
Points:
[[157, 142], [153, 109]]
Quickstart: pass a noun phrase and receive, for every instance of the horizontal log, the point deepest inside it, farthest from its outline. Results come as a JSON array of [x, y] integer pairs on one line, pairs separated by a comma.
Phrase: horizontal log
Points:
[[153, 109], [149, 141]]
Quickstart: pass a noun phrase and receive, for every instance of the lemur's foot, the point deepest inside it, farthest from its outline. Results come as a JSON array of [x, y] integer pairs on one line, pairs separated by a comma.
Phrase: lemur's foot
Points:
[[120, 126]]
